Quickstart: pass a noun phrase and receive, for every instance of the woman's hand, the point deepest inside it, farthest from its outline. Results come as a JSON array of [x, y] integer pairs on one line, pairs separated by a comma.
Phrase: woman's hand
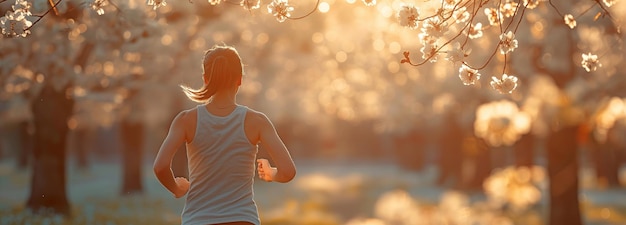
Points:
[[182, 185], [266, 171]]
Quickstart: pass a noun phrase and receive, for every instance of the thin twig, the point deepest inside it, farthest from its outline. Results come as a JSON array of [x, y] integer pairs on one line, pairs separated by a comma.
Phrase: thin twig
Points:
[[308, 14], [44, 14], [555, 8]]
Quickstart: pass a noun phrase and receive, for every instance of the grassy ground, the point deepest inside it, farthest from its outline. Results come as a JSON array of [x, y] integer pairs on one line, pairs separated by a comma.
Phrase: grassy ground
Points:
[[328, 194]]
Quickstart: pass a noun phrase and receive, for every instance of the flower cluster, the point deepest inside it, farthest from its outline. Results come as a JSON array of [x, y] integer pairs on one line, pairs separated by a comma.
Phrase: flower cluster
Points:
[[570, 21], [369, 2], [250, 4], [507, 43], [475, 31], [508, 9], [468, 75], [515, 187], [408, 16], [436, 27], [590, 62], [504, 85], [611, 112], [456, 53], [501, 123], [435, 37], [531, 4], [156, 3], [14, 23], [214, 2], [494, 16], [280, 9], [98, 6]]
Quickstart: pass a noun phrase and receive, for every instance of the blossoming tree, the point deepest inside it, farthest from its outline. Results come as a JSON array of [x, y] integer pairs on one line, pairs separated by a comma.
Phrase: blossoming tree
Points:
[[66, 69], [526, 24]]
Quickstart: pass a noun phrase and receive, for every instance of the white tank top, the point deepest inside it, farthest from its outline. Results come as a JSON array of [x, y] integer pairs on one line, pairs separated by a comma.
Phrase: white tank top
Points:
[[221, 171]]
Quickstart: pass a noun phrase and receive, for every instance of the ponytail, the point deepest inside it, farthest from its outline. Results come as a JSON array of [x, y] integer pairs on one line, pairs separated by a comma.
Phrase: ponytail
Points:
[[222, 68]]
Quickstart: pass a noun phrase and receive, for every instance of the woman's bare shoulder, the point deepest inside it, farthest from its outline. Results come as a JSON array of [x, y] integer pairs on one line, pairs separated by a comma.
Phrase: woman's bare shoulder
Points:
[[256, 116], [187, 115]]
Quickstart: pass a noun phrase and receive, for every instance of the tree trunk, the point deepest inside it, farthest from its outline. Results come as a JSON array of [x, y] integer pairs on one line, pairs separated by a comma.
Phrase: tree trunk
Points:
[[409, 149], [450, 157], [478, 153], [132, 134], [524, 149], [605, 158], [562, 154], [51, 111]]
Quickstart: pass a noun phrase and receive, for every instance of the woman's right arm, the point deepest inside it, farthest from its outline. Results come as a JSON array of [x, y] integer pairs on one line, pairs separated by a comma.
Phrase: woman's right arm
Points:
[[270, 141], [162, 164]]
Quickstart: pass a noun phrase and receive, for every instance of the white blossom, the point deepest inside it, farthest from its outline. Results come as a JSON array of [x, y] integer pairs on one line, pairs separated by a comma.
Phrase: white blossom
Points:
[[609, 3], [468, 75], [570, 21], [156, 3], [280, 9], [450, 4], [15, 24], [590, 62], [433, 29], [23, 6], [475, 31], [408, 16], [369, 2], [494, 16], [507, 42], [504, 85], [461, 15], [455, 53], [250, 4], [429, 50], [515, 186], [98, 6], [214, 2], [501, 123], [531, 4], [508, 9]]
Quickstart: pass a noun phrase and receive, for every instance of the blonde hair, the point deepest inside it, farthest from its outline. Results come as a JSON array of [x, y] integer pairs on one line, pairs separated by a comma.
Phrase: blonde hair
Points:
[[222, 68]]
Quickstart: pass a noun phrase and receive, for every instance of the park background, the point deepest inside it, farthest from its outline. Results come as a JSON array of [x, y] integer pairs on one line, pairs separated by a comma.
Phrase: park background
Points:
[[375, 141]]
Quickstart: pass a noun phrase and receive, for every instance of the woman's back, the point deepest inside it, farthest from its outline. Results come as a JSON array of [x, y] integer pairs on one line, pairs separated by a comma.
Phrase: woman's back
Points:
[[221, 169], [221, 139]]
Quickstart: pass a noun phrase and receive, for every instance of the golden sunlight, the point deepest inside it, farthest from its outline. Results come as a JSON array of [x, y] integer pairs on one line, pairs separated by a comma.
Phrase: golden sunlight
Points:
[[323, 7]]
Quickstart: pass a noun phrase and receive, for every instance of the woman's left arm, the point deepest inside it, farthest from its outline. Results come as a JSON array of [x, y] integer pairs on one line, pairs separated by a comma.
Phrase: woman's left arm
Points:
[[163, 162]]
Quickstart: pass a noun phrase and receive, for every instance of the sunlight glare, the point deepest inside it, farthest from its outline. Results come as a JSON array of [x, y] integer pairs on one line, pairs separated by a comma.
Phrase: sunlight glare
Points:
[[323, 7], [385, 10], [394, 67], [166, 39], [246, 35], [346, 113], [537, 30], [378, 44], [109, 68], [394, 47], [340, 85], [317, 37], [341, 56], [399, 79], [262, 39], [72, 123], [271, 94], [350, 1]]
